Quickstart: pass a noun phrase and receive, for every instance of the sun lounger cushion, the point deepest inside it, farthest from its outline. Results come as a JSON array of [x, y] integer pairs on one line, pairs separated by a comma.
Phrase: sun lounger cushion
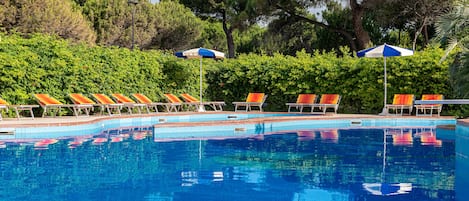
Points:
[[255, 97], [80, 99], [173, 98], [252, 100], [400, 103], [302, 101], [421, 110], [45, 99], [141, 98], [215, 105], [327, 101], [111, 107]]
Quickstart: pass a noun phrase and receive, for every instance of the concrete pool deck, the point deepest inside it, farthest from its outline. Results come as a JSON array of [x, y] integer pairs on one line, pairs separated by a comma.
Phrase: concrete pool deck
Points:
[[72, 120]]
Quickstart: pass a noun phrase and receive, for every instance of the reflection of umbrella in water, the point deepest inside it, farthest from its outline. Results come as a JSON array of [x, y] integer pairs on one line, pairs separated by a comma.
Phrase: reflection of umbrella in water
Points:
[[384, 51], [387, 189], [200, 53]]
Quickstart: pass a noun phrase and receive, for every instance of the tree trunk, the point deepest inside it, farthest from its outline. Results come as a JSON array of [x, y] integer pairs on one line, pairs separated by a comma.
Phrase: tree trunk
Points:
[[229, 37], [399, 37], [362, 36], [425, 33], [417, 33]]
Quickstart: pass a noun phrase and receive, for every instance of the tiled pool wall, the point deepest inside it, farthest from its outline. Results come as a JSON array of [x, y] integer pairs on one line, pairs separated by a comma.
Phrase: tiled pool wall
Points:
[[103, 125], [266, 126]]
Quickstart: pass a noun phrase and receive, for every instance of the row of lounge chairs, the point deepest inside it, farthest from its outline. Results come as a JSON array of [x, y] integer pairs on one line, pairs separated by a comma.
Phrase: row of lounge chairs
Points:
[[402, 102], [83, 106], [309, 100]]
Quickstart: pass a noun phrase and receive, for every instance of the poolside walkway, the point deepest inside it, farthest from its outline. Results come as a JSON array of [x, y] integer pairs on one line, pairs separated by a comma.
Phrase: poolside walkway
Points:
[[72, 120]]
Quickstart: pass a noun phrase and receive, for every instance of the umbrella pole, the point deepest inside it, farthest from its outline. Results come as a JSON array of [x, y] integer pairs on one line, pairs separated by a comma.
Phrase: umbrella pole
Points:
[[383, 176], [385, 83], [385, 111], [201, 106]]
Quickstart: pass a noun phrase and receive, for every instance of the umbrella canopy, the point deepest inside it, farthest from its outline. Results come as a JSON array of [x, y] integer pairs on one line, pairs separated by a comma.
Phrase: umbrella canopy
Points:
[[385, 51], [197, 53], [200, 53]]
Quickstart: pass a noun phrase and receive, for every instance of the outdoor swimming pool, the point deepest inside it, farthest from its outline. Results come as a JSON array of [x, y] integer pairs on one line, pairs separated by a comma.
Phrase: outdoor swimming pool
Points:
[[278, 162]]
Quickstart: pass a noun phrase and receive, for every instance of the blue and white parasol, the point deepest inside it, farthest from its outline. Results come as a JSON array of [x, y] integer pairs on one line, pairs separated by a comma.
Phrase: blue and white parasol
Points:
[[200, 53], [385, 51]]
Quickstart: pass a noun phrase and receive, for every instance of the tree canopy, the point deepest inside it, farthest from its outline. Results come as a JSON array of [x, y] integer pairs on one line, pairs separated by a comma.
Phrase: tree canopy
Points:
[[58, 17], [233, 26]]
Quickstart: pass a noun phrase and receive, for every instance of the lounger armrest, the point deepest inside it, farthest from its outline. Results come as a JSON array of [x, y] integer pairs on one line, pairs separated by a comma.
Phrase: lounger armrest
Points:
[[300, 104], [247, 103], [398, 105], [23, 106], [114, 104], [134, 104], [214, 102], [428, 105], [157, 103], [322, 105]]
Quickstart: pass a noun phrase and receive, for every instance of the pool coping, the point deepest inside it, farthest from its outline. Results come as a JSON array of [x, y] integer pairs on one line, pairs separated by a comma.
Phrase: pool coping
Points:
[[73, 121]]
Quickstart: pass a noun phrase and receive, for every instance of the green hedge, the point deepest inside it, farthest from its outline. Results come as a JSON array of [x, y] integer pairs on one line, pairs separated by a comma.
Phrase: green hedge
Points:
[[358, 80], [44, 64]]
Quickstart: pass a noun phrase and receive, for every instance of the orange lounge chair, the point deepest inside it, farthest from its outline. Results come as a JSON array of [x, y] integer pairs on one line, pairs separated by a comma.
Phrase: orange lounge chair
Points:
[[129, 103], [49, 102], [429, 107], [401, 102], [107, 103], [176, 103], [303, 100], [80, 99], [253, 100], [4, 105], [215, 105], [141, 98], [327, 101]]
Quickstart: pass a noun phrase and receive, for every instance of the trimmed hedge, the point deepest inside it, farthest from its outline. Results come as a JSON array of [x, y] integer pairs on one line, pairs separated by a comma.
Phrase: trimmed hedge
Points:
[[358, 80], [45, 64]]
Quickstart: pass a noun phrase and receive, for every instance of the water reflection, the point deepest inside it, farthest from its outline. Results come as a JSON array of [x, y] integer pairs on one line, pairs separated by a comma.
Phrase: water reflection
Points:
[[329, 135], [316, 164], [462, 163]]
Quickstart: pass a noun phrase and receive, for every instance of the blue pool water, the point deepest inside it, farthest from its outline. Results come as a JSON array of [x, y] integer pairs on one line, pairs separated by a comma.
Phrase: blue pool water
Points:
[[309, 163]]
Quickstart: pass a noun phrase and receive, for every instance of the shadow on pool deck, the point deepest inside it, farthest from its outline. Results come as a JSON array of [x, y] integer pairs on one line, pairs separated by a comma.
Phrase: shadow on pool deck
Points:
[[72, 120]]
